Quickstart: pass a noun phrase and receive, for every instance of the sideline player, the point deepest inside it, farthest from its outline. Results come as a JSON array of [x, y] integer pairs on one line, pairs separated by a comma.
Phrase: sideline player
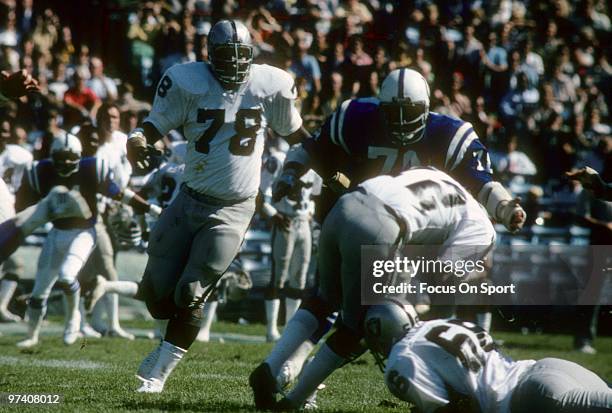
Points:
[[71, 240], [224, 107], [421, 206], [291, 219], [454, 366]]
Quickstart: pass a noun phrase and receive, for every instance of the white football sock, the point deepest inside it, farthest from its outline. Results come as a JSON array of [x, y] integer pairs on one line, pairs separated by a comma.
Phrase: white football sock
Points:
[[291, 306], [298, 330], [484, 320], [210, 309], [113, 311], [272, 307], [169, 356], [97, 315], [293, 366], [124, 288], [7, 288], [325, 362], [35, 319], [71, 306]]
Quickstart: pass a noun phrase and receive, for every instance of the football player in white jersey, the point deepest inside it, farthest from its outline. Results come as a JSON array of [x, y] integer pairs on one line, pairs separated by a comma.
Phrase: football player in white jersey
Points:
[[454, 366], [291, 240], [224, 108], [112, 152], [420, 206], [14, 160]]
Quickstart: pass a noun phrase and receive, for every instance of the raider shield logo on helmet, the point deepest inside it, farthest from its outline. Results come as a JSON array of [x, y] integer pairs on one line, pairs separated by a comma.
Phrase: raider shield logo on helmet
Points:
[[230, 52]]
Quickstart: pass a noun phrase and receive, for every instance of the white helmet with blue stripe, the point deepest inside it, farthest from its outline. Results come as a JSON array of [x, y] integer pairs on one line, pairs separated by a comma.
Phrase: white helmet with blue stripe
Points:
[[66, 152], [404, 101]]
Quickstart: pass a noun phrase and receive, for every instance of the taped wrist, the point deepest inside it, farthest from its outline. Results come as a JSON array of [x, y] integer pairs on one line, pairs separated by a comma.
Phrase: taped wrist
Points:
[[491, 196]]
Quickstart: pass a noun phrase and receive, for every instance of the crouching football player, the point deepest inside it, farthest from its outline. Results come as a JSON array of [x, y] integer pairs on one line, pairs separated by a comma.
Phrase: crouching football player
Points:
[[421, 206], [453, 366]]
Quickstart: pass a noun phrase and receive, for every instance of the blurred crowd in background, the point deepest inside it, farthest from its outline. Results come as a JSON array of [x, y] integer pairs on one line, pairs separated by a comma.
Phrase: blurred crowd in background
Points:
[[533, 76]]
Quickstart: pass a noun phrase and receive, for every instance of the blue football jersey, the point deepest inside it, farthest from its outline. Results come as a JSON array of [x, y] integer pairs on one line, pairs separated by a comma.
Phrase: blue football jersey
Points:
[[93, 177], [354, 140]]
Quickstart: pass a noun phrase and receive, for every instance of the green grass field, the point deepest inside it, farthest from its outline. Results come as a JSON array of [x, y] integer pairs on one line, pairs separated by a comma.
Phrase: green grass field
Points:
[[98, 375]]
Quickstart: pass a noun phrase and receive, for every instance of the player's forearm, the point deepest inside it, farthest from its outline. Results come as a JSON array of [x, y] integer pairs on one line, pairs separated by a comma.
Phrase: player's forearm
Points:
[[492, 195], [298, 136], [139, 205]]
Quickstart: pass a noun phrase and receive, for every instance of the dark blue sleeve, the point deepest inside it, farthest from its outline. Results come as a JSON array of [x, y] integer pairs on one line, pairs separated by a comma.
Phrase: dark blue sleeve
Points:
[[474, 169]]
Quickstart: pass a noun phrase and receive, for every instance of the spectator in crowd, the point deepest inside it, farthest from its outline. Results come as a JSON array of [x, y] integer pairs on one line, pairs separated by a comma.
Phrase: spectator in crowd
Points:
[[519, 104], [103, 86], [81, 102], [304, 64]]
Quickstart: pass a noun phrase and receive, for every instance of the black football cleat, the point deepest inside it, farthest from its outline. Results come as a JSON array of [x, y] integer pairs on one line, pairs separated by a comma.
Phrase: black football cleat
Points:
[[264, 387]]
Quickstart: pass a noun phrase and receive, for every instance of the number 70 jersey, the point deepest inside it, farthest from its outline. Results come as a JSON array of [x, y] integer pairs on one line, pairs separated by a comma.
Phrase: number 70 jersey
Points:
[[224, 129]]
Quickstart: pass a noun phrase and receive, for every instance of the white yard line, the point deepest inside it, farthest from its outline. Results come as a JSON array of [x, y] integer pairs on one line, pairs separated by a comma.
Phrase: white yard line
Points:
[[53, 363]]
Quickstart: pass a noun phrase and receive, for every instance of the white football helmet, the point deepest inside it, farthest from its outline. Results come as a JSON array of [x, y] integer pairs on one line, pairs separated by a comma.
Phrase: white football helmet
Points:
[[386, 324], [404, 101], [66, 152], [230, 51]]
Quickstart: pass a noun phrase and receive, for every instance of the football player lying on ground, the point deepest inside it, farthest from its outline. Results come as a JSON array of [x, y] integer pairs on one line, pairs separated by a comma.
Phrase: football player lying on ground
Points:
[[421, 206], [444, 366], [71, 240], [224, 108], [369, 137]]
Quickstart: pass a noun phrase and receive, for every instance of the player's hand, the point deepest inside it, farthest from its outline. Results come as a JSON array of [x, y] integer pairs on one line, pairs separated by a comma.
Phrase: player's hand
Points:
[[512, 214], [283, 186], [282, 221], [590, 180], [139, 153], [14, 85]]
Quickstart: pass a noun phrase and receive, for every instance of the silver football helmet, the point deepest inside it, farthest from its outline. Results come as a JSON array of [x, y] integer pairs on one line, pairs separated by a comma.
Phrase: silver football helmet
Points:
[[404, 101], [230, 51], [386, 324], [66, 152]]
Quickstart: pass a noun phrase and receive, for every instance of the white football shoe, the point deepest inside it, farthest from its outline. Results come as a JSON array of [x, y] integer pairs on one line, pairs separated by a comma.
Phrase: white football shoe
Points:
[[89, 332], [7, 317], [151, 386], [120, 333], [146, 366], [72, 330], [28, 343]]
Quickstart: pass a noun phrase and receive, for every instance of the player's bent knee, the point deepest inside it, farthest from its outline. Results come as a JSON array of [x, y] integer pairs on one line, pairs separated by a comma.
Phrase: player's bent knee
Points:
[[69, 287], [162, 309], [190, 316]]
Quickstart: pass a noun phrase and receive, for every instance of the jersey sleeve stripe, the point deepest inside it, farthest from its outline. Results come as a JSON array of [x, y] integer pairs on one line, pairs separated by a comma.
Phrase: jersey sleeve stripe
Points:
[[457, 147], [343, 111], [464, 146], [460, 133]]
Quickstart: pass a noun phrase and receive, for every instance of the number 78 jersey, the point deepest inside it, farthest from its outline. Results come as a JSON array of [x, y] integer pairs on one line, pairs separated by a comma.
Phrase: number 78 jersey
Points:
[[224, 129], [455, 363]]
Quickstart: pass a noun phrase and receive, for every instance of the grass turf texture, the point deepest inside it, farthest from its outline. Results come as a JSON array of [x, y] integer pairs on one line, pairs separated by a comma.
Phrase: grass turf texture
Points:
[[98, 375]]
